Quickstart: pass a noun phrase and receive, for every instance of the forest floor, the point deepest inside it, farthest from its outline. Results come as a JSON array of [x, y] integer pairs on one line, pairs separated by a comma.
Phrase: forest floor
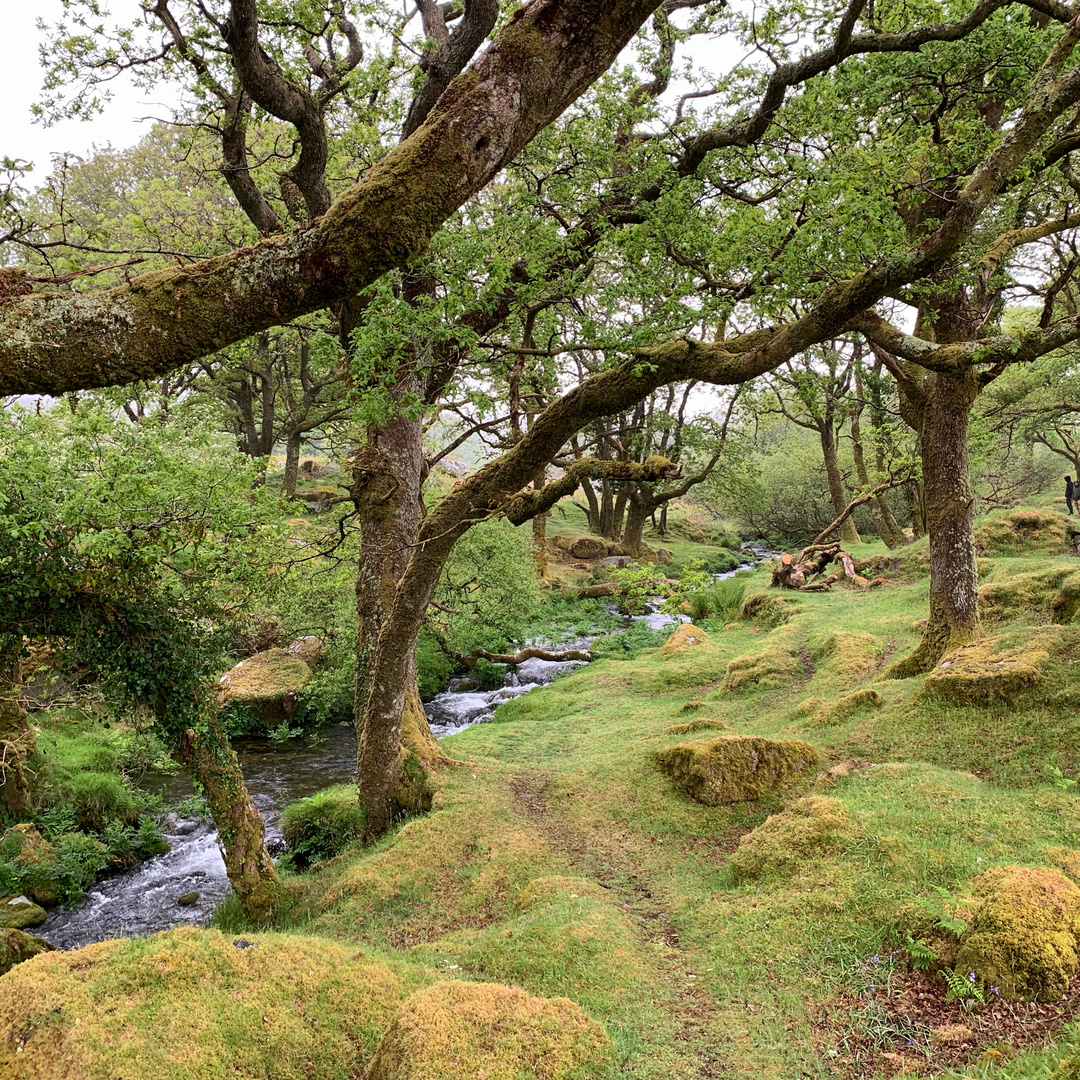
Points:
[[560, 858]]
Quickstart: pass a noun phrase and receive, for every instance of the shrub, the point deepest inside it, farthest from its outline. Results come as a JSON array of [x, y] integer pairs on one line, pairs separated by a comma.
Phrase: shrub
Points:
[[321, 825], [99, 799], [629, 643]]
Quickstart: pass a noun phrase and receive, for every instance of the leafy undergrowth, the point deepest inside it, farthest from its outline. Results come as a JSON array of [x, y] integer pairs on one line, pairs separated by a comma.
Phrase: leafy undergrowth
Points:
[[560, 859]]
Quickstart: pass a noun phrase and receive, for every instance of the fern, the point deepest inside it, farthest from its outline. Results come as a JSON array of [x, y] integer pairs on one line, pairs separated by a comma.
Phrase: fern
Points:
[[960, 988], [923, 958]]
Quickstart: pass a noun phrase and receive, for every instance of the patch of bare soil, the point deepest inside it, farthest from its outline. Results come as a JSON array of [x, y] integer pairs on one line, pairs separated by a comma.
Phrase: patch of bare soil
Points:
[[908, 1026]]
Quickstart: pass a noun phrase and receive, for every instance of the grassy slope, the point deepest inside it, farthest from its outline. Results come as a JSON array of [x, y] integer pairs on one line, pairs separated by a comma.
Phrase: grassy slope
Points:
[[641, 921]]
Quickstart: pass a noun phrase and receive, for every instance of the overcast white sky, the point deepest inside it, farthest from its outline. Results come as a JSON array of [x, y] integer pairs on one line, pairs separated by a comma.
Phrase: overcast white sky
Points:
[[20, 86]]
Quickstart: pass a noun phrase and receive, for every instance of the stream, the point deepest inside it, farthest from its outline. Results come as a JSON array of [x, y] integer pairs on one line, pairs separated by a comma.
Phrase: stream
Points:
[[144, 900]]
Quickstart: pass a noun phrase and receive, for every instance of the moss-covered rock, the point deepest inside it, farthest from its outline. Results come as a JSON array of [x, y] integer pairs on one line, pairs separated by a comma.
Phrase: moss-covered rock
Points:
[[1026, 531], [18, 912], [737, 768], [1067, 860], [15, 947], [835, 711], [988, 670], [1053, 589], [853, 654], [459, 1029], [190, 1004], [812, 826], [35, 862], [588, 547], [267, 685], [767, 609], [557, 885], [686, 635], [1023, 939]]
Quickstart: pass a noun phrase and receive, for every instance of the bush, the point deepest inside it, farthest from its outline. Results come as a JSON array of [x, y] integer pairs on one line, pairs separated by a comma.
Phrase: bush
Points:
[[100, 799], [322, 825], [629, 643]]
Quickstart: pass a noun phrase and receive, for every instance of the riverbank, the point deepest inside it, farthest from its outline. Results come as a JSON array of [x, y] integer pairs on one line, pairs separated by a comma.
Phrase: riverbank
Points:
[[803, 933]]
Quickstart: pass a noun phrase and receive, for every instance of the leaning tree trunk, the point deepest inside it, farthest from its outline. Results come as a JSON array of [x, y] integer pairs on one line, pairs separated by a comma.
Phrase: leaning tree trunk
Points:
[[394, 742], [848, 533], [16, 742], [292, 464], [206, 754], [944, 417]]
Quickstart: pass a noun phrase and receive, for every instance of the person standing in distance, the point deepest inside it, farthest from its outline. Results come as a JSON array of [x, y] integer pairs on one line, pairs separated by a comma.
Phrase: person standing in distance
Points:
[[1070, 492]]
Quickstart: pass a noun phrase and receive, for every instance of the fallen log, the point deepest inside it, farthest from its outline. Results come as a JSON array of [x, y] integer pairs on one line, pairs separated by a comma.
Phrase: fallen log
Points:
[[530, 653]]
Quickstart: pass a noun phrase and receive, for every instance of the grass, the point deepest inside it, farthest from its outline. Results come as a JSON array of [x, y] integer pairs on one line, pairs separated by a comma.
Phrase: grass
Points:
[[559, 858]]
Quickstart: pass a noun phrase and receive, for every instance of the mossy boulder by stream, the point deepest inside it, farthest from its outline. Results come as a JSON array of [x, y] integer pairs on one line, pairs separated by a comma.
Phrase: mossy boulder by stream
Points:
[[17, 947], [458, 1029], [1023, 939], [738, 768], [19, 912], [266, 685]]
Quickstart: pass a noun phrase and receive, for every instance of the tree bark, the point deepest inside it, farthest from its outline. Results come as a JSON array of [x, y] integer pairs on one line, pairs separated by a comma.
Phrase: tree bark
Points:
[[878, 507], [848, 533], [213, 764], [16, 742], [636, 516], [292, 464]]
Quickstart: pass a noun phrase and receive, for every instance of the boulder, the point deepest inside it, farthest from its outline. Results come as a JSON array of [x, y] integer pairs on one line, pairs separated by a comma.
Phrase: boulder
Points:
[[664, 557], [189, 1003], [686, 635], [309, 649], [19, 912], [621, 561], [738, 768], [322, 493], [766, 609], [853, 655], [268, 684], [988, 671], [1023, 939], [812, 826], [15, 947], [588, 547], [834, 711], [35, 860], [458, 1029], [774, 666]]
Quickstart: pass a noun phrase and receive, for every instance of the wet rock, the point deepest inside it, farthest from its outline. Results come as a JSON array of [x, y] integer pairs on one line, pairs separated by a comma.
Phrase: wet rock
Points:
[[738, 768], [243, 943], [15, 947], [189, 899], [588, 547], [620, 561], [458, 1029], [1023, 939], [19, 912]]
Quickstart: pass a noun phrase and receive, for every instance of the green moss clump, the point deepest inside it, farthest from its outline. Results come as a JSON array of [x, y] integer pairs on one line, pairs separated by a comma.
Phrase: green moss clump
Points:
[[697, 725], [832, 712], [1025, 531], [190, 1003], [99, 798], [1023, 939], [457, 1029], [987, 671], [322, 825], [16, 947], [738, 768], [812, 826], [266, 685], [769, 668], [766, 609], [853, 654], [19, 912]]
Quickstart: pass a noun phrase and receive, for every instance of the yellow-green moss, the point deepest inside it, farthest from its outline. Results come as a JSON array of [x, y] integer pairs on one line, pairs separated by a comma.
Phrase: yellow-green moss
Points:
[[687, 634], [1053, 589], [832, 712], [19, 912], [17, 947], [738, 768], [1067, 860], [1023, 937], [987, 670], [811, 826], [697, 725], [773, 666], [1025, 531], [189, 1004], [854, 655], [458, 1029]]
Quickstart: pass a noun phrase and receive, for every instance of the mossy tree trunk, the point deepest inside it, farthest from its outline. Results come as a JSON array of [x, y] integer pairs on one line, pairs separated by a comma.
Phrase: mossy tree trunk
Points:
[[884, 522], [292, 464], [16, 741], [212, 763], [828, 436]]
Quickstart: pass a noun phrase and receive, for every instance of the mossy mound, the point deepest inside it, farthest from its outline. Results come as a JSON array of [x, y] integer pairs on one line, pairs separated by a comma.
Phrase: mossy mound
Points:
[[772, 667], [1067, 860], [16, 947], [587, 547], [854, 655], [987, 671], [688, 634], [697, 725], [317, 494], [738, 768], [19, 912], [191, 1004], [1023, 939], [833, 712], [459, 1029], [267, 685], [812, 826], [1025, 531], [1054, 589], [556, 885], [767, 609]]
